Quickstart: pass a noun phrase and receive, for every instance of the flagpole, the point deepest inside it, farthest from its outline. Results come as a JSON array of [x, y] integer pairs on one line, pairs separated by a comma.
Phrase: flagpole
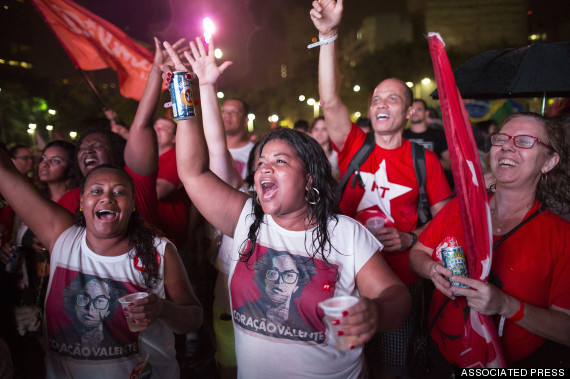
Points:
[[95, 90]]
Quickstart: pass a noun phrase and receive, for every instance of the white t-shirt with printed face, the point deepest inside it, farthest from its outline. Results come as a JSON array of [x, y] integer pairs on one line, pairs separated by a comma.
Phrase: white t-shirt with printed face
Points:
[[240, 156], [279, 327]]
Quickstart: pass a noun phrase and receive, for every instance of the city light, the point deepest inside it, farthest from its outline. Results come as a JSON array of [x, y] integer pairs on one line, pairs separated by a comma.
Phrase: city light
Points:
[[426, 81], [49, 127], [32, 126], [208, 29], [218, 53], [73, 135], [301, 97], [410, 84], [274, 118], [311, 101], [52, 111], [356, 88], [250, 118], [220, 95], [357, 114]]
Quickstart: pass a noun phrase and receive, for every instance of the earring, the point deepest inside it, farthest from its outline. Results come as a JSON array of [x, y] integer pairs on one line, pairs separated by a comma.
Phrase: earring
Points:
[[134, 209], [80, 209], [544, 177], [318, 196]]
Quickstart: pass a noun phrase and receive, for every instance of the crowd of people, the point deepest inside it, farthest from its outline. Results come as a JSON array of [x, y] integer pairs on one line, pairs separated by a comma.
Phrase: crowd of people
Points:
[[154, 207]]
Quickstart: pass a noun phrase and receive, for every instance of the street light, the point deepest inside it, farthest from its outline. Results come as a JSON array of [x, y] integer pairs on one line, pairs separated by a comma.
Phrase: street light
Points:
[[49, 127], [301, 97], [250, 118], [52, 112], [426, 81], [356, 88], [32, 126], [73, 135], [315, 105], [274, 118], [220, 95], [218, 53], [410, 84]]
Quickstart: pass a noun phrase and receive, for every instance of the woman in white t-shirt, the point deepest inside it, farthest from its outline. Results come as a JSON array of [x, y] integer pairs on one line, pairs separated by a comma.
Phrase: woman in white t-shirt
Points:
[[291, 250], [107, 254]]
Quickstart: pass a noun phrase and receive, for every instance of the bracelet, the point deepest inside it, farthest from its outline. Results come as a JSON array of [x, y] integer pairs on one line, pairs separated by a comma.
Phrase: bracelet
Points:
[[519, 315], [323, 41]]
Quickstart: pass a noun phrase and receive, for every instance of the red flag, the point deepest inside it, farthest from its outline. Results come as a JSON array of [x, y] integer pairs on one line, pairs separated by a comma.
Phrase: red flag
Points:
[[482, 347], [92, 44]]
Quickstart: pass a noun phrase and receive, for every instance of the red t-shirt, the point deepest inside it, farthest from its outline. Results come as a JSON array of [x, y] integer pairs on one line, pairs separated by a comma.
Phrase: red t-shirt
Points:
[[173, 210], [390, 191], [532, 265], [145, 197]]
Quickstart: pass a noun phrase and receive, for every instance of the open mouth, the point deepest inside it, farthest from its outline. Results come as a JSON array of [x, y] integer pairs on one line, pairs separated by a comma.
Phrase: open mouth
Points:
[[268, 188], [90, 163], [507, 163], [382, 116], [106, 215]]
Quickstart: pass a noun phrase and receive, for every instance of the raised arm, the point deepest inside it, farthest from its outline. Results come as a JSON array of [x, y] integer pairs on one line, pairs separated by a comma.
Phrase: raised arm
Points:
[[326, 15], [45, 218], [141, 152], [204, 66], [218, 202]]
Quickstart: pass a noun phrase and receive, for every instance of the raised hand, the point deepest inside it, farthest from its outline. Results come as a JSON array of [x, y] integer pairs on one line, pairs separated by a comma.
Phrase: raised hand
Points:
[[162, 57], [204, 63], [326, 15]]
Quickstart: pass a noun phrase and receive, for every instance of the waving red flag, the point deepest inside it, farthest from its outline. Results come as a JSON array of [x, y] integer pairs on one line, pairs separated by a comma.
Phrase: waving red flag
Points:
[[482, 347], [92, 44]]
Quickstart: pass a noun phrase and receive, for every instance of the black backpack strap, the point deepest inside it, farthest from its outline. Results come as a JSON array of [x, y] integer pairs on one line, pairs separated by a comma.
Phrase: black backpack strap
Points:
[[354, 166], [419, 159]]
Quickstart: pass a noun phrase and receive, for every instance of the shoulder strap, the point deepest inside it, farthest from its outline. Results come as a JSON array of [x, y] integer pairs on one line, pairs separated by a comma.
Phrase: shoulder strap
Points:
[[419, 159], [354, 166]]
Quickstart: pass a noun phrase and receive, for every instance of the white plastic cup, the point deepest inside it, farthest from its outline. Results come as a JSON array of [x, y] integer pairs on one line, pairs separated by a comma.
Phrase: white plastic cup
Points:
[[334, 307], [374, 224], [125, 301]]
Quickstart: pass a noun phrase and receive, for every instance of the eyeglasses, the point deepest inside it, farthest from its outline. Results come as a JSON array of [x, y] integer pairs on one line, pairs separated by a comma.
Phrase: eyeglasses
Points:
[[288, 277], [522, 141], [100, 302], [24, 157]]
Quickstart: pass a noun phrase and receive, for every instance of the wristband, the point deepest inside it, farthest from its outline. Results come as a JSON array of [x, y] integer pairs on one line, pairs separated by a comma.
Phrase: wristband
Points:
[[323, 41], [519, 315]]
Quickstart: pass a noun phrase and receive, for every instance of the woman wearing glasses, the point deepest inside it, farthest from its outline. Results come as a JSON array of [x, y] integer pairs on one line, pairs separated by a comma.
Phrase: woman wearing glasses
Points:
[[528, 292]]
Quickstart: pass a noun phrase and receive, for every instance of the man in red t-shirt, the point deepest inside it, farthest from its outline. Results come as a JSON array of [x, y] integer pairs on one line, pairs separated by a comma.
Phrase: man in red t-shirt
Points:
[[173, 202], [389, 187]]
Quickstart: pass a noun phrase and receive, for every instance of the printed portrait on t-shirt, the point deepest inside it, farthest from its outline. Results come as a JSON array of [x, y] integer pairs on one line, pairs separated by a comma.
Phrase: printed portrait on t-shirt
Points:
[[89, 323], [281, 295]]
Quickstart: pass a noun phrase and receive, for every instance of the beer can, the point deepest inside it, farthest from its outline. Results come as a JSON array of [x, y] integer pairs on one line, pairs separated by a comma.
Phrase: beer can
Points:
[[454, 259], [181, 96], [12, 265]]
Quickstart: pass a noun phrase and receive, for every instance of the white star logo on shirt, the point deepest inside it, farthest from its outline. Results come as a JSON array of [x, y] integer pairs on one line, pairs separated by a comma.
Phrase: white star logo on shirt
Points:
[[379, 191]]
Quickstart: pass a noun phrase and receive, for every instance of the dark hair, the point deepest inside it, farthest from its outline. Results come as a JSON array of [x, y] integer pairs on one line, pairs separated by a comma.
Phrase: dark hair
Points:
[[318, 167], [301, 125], [363, 122], [305, 267], [14, 150], [553, 189], [250, 165], [140, 236], [317, 119], [72, 174], [420, 101], [243, 104], [116, 142], [171, 121]]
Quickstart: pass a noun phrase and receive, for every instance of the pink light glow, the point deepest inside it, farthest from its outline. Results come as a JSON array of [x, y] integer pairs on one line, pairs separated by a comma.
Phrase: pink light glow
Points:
[[208, 30]]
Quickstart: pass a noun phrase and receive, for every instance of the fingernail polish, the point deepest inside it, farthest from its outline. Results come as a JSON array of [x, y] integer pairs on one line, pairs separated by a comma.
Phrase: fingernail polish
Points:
[[335, 322], [344, 313], [351, 347], [340, 333], [188, 76]]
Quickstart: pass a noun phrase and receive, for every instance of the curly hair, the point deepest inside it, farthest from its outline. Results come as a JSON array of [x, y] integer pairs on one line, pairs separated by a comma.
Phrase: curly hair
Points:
[[325, 206], [116, 142], [140, 236], [553, 190], [72, 174]]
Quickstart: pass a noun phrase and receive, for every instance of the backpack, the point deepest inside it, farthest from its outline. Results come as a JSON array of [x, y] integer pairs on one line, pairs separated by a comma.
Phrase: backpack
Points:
[[418, 157]]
